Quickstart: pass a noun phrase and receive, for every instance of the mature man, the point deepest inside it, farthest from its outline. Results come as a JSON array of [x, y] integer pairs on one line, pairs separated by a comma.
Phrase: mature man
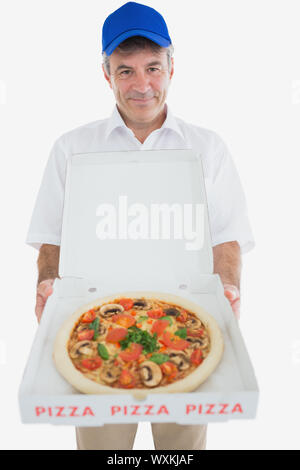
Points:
[[138, 66]]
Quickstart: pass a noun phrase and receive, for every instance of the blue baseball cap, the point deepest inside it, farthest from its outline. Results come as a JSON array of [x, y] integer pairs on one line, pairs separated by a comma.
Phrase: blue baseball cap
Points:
[[134, 19]]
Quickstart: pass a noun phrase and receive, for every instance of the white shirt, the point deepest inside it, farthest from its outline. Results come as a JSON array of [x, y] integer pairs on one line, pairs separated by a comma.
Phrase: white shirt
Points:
[[225, 197]]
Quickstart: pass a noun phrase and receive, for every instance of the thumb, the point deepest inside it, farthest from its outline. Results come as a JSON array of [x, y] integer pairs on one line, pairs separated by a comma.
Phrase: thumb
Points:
[[45, 288], [231, 292], [233, 295]]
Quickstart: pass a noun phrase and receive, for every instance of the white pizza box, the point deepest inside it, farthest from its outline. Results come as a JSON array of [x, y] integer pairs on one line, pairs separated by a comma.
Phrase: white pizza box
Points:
[[134, 182]]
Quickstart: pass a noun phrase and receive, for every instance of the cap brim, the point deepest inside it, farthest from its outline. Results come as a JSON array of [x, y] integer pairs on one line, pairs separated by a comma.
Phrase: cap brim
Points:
[[160, 40]]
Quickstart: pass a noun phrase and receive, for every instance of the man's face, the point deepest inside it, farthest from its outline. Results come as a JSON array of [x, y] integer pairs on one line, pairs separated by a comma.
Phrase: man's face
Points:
[[140, 83]]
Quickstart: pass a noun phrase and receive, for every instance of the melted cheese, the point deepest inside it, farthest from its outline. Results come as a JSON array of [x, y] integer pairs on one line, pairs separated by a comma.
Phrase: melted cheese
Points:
[[147, 327]]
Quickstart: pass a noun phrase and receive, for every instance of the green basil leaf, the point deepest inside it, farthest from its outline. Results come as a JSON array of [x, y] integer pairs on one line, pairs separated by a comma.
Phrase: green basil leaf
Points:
[[182, 333], [159, 358], [143, 337], [95, 326], [102, 351]]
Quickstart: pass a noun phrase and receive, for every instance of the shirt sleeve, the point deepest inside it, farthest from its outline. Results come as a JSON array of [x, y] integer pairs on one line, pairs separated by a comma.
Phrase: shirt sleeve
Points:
[[46, 221], [228, 213]]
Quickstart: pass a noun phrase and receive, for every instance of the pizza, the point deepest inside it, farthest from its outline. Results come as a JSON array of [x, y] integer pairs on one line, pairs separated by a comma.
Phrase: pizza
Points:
[[138, 342]]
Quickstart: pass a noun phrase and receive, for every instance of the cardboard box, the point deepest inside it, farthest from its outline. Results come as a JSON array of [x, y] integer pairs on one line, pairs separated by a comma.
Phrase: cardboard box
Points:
[[90, 268]]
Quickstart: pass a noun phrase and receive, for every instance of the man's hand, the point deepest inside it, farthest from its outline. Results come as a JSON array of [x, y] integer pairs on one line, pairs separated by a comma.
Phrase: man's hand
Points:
[[233, 295], [44, 289], [227, 263], [48, 270]]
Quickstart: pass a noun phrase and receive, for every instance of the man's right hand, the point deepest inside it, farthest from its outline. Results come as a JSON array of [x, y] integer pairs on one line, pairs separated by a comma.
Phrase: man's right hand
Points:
[[44, 289]]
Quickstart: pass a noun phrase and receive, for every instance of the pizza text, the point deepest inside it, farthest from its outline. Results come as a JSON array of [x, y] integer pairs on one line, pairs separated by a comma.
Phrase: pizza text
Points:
[[139, 410], [64, 411], [214, 409]]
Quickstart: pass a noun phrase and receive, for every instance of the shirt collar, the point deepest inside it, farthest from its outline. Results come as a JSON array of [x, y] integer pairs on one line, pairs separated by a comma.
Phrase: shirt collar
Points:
[[116, 121]]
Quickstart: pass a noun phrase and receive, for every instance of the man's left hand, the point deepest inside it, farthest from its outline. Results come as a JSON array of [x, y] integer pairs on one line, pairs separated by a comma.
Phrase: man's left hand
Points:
[[233, 295]]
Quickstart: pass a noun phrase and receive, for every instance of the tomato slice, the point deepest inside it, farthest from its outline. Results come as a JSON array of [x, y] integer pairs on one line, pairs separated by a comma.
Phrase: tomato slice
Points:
[[127, 304], [159, 326], [116, 334], [89, 316], [126, 379], [182, 317], [86, 335], [195, 333], [132, 352], [92, 364], [123, 320], [168, 368], [196, 357], [173, 341], [156, 313]]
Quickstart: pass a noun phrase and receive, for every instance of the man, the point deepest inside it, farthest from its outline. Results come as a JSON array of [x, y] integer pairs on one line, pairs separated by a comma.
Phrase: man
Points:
[[138, 66]]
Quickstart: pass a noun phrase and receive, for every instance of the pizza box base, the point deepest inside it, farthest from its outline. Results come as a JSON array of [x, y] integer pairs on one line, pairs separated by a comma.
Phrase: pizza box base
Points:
[[231, 392]]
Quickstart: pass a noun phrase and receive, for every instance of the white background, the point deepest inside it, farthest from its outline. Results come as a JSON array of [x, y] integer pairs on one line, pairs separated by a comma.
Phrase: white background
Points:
[[237, 72]]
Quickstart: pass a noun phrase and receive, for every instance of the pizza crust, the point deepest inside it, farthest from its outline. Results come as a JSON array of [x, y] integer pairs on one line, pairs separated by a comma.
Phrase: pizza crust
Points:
[[191, 382]]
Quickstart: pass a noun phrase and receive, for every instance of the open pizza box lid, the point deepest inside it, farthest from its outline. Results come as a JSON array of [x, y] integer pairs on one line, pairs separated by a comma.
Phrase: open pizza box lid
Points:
[[129, 195], [118, 193]]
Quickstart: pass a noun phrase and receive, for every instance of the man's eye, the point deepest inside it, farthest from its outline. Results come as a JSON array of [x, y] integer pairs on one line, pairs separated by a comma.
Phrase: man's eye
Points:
[[153, 69], [125, 72]]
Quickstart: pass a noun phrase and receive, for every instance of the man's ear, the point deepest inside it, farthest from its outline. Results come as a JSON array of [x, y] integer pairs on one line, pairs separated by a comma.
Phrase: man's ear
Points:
[[107, 77], [172, 68]]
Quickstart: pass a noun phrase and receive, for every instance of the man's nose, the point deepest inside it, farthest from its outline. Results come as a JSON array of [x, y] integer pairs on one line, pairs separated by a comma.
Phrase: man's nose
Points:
[[142, 82]]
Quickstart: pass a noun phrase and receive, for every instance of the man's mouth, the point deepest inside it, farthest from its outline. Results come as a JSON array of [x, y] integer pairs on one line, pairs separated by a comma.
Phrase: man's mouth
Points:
[[142, 100]]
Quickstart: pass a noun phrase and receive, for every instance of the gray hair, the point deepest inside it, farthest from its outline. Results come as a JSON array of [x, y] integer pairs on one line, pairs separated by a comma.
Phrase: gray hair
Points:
[[137, 43]]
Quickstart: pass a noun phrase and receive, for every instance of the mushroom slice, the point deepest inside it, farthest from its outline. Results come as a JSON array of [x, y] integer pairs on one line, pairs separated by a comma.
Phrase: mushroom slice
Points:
[[82, 327], [110, 372], [102, 330], [196, 343], [172, 312], [180, 359], [82, 348], [150, 373], [140, 304], [109, 310], [193, 323]]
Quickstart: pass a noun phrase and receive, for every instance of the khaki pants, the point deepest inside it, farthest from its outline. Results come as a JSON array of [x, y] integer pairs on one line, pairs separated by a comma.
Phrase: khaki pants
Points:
[[166, 436]]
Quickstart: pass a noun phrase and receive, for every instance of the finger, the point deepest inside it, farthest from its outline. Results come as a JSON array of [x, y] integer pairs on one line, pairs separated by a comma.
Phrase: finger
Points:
[[41, 300], [236, 308], [45, 290], [48, 291], [230, 294], [40, 303], [39, 317]]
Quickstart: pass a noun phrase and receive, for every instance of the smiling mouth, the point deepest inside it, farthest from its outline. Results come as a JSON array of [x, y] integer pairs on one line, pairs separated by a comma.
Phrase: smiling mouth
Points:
[[142, 101]]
